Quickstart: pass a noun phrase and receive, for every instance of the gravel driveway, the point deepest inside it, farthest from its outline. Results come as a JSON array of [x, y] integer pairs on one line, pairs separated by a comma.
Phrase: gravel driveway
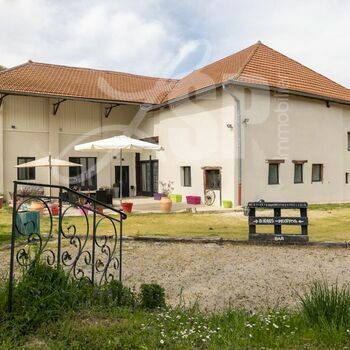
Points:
[[243, 276], [217, 276]]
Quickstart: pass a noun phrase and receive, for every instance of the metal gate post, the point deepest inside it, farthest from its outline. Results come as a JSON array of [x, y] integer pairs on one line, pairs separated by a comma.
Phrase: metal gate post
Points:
[[13, 237]]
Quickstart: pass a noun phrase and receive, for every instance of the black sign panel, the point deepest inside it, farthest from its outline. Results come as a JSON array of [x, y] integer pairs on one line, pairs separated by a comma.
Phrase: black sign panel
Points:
[[282, 205], [265, 220], [278, 220], [263, 237]]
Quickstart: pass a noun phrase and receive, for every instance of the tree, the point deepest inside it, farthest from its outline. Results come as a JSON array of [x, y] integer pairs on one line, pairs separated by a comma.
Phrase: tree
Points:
[[2, 67]]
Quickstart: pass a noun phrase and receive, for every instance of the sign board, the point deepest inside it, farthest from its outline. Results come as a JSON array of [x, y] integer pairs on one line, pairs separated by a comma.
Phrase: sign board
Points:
[[263, 220], [278, 221], [280, 238], [281, 205]]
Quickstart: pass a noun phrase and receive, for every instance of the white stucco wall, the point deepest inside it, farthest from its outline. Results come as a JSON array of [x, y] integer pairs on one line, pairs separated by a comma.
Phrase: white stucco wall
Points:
[[288, 128], [295, 128], [31, 130], [195, 134]]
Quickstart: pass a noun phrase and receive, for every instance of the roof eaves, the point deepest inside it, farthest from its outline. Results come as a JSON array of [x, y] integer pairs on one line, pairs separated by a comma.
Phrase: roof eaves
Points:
[[256, 86], [73, 97], [288, 91], [187, 96]]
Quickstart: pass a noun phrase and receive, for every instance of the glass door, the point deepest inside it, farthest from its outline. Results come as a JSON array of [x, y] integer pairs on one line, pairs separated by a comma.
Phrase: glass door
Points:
[[149, 177]]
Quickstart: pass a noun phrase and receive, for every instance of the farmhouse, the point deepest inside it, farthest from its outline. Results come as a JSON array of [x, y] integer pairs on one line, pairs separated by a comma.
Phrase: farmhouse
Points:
[[255, 124]]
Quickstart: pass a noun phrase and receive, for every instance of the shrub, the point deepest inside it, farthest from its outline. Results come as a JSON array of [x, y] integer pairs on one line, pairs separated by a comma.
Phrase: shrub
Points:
[[45, 293], [323, 304], [152, 296], [114, 292]]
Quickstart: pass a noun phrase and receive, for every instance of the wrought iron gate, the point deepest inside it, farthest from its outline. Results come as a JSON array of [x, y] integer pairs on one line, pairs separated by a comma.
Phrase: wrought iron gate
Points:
[[53, 234]]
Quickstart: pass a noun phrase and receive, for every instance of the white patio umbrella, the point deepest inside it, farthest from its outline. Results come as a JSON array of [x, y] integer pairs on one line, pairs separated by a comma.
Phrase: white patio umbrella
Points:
[[122, 143], [48, 162]]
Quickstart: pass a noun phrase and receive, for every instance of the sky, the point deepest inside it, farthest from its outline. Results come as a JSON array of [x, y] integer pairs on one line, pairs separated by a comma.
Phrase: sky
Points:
[[171, 38]]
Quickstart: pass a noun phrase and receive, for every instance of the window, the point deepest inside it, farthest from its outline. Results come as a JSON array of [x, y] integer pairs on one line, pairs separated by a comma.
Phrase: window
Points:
[[317, 173], [25, 173], [298, 173], [348, 141], [273, 174], [83, 177], [212, 179], [347, 178], [186, 176]]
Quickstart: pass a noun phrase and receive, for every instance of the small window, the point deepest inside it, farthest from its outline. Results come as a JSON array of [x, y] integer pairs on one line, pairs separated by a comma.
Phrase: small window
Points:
[[317, 172], [298, 173], [186, 176], [347, 178], [273, 174], [25, 173], [348, 141]]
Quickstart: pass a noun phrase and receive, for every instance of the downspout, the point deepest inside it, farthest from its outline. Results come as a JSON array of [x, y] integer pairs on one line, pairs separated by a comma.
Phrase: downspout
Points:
[[238, 121]]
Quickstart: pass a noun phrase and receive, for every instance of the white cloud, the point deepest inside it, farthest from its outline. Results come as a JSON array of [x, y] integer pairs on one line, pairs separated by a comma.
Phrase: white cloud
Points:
[[159, 37], [102, 35], [315, 33]]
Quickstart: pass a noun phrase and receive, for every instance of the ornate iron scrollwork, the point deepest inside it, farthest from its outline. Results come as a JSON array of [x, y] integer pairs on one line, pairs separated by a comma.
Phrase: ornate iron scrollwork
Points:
[[62, 239]]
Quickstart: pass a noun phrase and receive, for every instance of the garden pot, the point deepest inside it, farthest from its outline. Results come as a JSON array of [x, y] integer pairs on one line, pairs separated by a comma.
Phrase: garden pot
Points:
[[99, 210], [115, 192], [28, 223], [165, 204], [176, 198], [1, 200], [54, 208], [127, 207], [37, 206], [193, 200], [157, 196], [84, 210], [227, 204]]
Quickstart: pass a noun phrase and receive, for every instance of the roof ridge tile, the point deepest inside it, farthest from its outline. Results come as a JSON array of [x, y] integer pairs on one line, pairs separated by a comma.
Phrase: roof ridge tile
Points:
[[248, 59]]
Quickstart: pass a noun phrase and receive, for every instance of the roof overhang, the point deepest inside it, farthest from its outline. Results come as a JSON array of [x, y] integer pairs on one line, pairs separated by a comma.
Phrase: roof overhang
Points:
[[286, 91], [252, 86], [152, 107], [68, 97]]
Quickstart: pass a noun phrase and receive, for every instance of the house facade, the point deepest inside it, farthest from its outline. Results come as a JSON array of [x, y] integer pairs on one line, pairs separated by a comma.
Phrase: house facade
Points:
[[254, 125]]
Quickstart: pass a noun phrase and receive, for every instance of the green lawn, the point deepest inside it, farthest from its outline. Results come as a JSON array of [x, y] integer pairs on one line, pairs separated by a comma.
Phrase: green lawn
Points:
[[51, 311], [125, 329], [327, 223]]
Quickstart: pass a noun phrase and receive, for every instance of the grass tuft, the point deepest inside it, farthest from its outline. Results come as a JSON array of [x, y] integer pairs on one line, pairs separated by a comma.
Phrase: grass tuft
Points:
[[327, 305]]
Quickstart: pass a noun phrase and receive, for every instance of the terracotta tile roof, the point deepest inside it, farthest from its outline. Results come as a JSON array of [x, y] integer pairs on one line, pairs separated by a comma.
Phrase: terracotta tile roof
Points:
[[257, 65], [48, 79], [261, 65], [213, 74]]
